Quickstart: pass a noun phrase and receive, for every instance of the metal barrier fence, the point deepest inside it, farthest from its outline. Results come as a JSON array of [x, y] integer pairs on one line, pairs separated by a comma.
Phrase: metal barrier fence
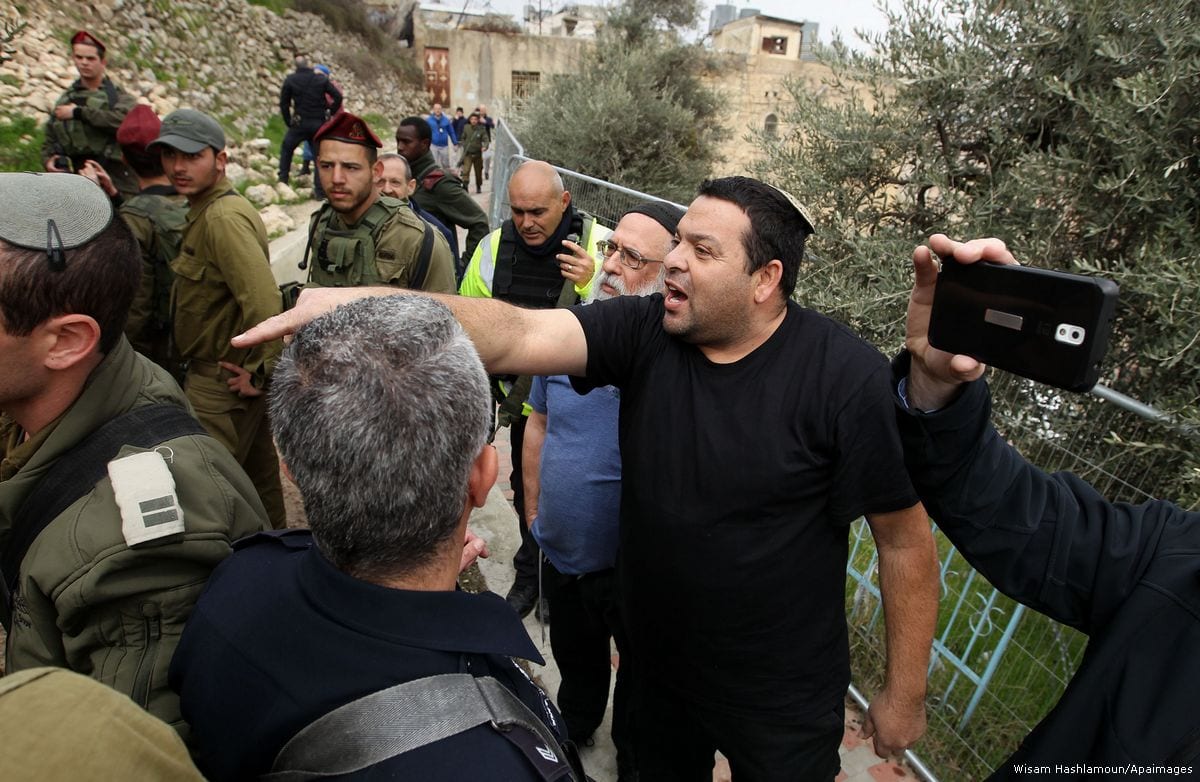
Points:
[[602, 200], [997, 668]]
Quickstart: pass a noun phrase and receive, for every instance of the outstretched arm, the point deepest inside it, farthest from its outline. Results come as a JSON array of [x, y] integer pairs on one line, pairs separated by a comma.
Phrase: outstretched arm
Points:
[[510, 340]]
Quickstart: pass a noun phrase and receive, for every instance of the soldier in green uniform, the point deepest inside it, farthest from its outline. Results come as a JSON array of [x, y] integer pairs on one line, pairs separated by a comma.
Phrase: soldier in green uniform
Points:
[[156, 214], [223, 285], [115, 505], [474, 142], [83, 123], [361, 237], [438, 191]]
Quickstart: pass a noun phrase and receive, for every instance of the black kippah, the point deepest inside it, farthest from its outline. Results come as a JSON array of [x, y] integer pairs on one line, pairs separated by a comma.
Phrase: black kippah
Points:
[[665, 214]]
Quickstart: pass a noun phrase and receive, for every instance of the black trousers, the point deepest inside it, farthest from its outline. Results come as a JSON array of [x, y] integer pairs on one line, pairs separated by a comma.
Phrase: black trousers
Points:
[[295, 136], [675, 737], [525, 561], [585, 616]]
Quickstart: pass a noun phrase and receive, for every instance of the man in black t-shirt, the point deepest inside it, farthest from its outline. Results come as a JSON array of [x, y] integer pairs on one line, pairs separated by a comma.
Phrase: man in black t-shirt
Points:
[[752, 432]]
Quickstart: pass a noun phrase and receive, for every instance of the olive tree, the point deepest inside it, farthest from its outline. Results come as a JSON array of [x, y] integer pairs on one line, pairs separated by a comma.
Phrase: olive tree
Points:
[[1068, 128], [638, 111]]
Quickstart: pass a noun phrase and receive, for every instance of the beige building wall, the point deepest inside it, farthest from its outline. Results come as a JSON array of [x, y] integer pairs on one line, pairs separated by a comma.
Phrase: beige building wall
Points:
[[483, 64], [753, 82]]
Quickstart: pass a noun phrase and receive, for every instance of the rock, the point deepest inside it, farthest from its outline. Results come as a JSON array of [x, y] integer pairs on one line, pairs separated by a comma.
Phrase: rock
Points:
[[261, 195], [254, 177], [275, 219], [286, 194], [235, 173], [259, 144]]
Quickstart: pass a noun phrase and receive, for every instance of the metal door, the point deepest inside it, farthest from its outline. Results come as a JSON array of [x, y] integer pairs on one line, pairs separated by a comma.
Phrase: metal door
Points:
[[437, 74]]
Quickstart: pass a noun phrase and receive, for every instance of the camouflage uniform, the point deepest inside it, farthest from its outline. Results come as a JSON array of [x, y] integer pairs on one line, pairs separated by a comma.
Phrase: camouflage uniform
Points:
[[474, 141], [92, 134]]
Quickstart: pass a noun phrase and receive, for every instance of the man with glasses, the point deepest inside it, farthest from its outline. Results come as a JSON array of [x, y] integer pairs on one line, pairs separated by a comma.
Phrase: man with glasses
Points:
[[574, 512], [115, 505], [543, 257]]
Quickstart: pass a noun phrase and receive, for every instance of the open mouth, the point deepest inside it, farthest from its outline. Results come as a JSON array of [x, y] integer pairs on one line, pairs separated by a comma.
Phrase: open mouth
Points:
[[675, 297]]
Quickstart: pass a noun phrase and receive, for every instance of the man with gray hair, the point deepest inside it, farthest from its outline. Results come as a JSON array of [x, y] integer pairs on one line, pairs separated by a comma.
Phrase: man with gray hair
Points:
[[574, 513], [371, 587]]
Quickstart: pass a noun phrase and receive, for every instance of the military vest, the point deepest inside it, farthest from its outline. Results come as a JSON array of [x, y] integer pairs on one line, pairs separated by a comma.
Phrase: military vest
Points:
[[168, 217], [529, 281], [80, 139], [346, 257], [349, 257]]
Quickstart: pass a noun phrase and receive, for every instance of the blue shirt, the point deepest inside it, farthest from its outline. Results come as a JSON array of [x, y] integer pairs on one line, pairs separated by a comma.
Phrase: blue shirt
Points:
[[443, 130], [579, 506]]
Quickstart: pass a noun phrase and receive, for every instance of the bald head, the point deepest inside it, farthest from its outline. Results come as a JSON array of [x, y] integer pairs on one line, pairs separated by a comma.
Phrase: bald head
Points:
[[538, 200], [536, 175]]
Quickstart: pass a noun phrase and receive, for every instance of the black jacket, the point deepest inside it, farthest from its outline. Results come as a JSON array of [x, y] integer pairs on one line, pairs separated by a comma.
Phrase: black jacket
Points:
[[307, 88], [281, 637], [1126, 575]]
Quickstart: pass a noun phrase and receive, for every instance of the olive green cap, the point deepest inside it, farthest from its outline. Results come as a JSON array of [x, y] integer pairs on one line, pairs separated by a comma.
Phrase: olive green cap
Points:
[[190, 131]]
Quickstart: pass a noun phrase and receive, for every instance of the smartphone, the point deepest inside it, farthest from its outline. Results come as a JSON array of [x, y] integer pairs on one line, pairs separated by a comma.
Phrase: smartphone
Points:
[[1048, 326]]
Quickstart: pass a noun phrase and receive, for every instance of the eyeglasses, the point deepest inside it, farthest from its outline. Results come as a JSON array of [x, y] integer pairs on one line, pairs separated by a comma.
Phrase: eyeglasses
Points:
[[631, 258]]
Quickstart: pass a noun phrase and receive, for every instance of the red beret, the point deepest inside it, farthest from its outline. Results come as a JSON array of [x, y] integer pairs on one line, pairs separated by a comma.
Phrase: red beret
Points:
[[83, 36], [344, 126], [140, 127]]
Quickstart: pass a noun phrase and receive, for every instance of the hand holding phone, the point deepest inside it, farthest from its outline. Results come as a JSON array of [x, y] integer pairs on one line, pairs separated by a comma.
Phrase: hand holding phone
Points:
[[1048, 326]]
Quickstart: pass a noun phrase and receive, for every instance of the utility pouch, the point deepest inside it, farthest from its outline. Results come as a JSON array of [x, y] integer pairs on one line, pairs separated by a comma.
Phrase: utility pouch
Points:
[[346, 253]]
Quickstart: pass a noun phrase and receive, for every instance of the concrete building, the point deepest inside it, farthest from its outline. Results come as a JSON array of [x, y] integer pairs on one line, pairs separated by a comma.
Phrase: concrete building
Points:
[[472, 58], [578, 20]]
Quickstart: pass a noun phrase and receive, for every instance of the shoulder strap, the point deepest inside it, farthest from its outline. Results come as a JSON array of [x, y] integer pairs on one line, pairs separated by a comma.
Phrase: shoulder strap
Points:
[[323, 212], [377, 215], [421, 270], [502, 264], [110, 90], [399, 719], [76, 472]]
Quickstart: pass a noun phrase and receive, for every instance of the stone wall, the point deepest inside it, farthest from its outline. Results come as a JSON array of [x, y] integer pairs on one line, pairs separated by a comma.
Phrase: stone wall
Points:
[[225, 57]]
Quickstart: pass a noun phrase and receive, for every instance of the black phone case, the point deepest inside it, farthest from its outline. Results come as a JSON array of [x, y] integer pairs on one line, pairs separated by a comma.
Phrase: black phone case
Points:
[[1048, 326]]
